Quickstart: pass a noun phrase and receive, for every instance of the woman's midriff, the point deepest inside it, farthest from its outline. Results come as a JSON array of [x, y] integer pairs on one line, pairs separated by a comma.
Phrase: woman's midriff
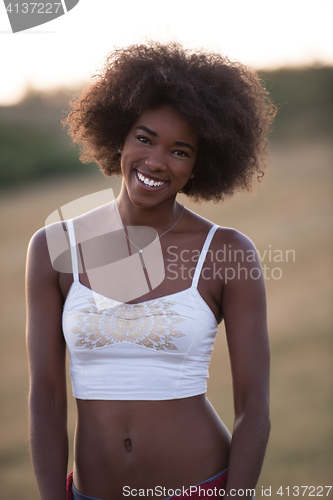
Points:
[[144, 444]]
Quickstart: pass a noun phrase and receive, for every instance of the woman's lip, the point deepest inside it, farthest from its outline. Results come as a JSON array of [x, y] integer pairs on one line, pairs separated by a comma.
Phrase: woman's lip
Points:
[[146, 186]]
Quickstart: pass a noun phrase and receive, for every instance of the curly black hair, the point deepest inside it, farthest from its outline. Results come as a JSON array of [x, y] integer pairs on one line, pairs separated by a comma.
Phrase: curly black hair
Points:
[[224, 102]]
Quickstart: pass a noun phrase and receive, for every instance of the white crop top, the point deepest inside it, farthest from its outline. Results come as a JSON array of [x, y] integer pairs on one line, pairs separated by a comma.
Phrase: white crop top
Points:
[[154, 350]]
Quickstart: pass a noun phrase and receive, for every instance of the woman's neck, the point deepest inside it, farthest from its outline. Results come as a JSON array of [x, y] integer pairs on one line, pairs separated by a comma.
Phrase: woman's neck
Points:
[[160, 216]]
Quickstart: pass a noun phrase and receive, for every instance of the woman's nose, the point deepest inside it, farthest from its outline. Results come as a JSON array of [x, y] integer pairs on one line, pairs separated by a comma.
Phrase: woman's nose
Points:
[[156, 159]]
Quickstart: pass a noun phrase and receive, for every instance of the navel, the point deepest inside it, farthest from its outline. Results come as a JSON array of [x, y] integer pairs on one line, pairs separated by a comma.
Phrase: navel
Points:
[[128, 444]]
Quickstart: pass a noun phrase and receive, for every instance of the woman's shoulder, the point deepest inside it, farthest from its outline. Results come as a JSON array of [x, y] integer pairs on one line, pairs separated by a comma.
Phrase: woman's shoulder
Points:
[[234, 238], [53, 239], [38, 244], [223, 235], [47, 245]]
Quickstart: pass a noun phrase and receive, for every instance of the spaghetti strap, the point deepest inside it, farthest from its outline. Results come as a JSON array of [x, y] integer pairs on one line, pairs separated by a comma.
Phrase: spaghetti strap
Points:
[[72, 242], [202, 256]]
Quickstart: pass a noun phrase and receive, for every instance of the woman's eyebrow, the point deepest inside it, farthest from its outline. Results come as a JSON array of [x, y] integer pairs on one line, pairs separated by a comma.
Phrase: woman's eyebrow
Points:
[[184, 144], [146, 129]]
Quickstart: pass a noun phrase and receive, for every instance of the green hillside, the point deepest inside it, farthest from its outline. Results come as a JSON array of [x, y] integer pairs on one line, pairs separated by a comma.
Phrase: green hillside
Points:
[[304, 98], [33, 144]]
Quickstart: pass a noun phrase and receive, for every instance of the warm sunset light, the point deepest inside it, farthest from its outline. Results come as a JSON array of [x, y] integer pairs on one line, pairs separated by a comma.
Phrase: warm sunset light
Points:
[[67, 50]]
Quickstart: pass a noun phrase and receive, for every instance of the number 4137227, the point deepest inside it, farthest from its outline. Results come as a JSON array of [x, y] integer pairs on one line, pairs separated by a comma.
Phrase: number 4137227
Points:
[[33, 7]]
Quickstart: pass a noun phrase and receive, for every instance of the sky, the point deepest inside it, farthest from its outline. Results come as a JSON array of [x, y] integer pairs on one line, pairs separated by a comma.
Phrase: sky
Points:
[[68, 50]]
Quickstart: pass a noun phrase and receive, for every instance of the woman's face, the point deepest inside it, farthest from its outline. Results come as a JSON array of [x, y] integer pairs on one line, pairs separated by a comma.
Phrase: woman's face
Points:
[[158, 156]]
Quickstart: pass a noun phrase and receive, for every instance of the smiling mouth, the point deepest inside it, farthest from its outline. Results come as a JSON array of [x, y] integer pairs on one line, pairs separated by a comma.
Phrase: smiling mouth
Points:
[[151, 183]]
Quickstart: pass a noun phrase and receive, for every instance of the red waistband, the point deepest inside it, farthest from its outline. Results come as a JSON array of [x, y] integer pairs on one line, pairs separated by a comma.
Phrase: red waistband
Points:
[[215, 485]]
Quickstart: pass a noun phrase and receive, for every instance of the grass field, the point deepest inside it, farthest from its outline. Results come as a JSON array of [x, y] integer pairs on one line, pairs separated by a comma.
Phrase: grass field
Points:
[[290, 212]]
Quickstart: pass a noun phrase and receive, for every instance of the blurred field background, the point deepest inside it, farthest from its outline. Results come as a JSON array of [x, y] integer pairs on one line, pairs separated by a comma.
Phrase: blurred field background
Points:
[[292, 210]]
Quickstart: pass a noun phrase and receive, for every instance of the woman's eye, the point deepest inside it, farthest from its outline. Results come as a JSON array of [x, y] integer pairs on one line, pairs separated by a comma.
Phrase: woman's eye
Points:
[[143, 139], [182, 154]]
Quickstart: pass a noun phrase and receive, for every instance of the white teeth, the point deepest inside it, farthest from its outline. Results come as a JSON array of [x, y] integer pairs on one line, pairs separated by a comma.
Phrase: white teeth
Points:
[[149, 182]]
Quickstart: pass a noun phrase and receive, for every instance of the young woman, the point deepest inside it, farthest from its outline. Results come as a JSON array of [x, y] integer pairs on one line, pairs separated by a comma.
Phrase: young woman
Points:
[[140, 308]]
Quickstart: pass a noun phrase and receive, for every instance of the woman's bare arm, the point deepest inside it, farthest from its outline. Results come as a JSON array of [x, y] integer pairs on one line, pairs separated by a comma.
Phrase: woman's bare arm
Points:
[[47, 355], [244, 311]]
